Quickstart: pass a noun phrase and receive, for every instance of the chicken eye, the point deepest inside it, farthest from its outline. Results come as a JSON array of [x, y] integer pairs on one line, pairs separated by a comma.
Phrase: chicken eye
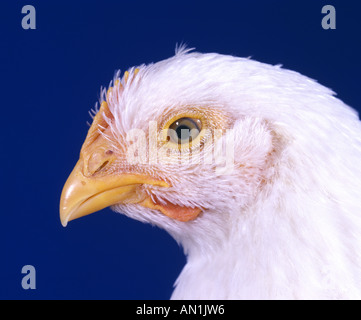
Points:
[[184, 130]]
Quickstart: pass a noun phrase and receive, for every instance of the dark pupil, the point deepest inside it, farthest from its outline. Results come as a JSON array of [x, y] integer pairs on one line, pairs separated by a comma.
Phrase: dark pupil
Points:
[[185, 134]]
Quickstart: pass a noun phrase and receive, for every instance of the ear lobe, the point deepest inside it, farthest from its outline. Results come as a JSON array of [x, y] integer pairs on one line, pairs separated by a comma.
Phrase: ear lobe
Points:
[[253, 141], [259, 147]]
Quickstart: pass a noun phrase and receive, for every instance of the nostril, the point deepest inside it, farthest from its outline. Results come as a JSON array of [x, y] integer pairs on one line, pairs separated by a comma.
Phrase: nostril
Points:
[[101, 167], [98, 161]]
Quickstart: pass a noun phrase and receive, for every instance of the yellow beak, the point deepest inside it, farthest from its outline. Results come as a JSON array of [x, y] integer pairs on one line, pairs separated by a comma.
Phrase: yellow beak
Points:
[[91, 187], [84, 195]]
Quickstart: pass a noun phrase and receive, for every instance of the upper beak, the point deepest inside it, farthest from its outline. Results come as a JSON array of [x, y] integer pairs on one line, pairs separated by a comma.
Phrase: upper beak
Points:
[[84, 195], [89, 188]]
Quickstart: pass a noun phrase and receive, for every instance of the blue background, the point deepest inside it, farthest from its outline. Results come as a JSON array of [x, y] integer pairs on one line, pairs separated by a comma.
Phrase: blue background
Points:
[[51, 77]]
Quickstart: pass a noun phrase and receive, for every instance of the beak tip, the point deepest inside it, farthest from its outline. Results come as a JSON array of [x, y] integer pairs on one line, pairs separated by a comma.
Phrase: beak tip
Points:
[[65, 216], [64, 223], [64, 220]]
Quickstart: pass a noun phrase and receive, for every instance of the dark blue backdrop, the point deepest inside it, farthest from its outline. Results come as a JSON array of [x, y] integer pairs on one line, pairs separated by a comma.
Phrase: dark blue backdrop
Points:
[[50, 78]]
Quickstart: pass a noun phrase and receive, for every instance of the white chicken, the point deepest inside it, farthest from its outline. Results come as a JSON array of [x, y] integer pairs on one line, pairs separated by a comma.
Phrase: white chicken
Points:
[[254, 169]]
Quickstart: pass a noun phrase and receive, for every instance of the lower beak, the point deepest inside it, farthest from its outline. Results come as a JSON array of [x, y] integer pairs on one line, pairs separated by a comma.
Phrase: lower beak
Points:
[[84, 195]]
